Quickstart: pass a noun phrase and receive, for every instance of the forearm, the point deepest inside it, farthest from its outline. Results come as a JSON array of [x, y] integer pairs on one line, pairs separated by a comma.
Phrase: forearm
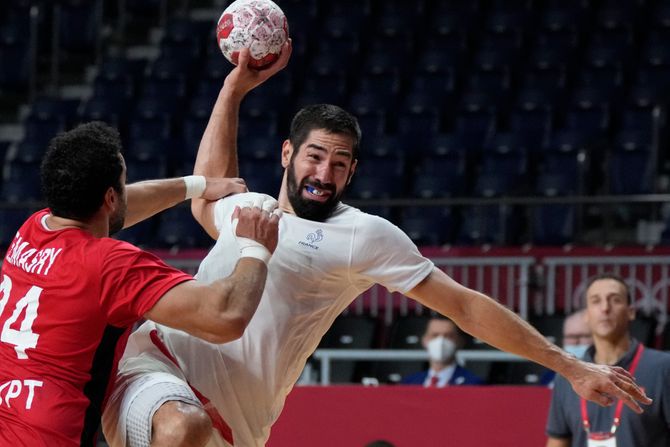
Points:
[[217, 153], [151, 197], [243, 290], [489, 321], [496, 325]]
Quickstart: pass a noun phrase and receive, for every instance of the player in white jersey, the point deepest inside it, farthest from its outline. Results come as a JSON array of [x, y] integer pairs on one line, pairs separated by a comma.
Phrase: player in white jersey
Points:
[[174, 389]]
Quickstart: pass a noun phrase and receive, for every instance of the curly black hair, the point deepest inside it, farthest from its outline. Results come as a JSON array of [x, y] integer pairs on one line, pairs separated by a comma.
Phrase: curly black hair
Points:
[[79, 167], [327, 117]]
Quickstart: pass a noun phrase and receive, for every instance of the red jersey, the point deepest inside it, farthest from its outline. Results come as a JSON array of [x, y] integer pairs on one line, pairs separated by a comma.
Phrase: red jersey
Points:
[[60, 294]]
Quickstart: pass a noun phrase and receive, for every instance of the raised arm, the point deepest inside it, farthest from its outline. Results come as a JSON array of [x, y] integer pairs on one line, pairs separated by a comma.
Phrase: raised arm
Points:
[[217, 153], [219, 312], [493, 323], [144, 199]]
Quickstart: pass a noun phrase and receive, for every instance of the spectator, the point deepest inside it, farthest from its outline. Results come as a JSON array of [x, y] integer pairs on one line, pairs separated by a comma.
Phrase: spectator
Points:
[[442, 339], [576, 340], [573, 421]]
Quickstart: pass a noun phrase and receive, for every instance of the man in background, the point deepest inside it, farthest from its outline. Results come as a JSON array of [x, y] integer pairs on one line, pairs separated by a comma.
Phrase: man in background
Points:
[[574, 422], [442, 339]]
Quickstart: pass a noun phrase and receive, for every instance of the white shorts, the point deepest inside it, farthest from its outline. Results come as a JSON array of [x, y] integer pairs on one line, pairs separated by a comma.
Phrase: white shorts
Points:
[[128, 415]]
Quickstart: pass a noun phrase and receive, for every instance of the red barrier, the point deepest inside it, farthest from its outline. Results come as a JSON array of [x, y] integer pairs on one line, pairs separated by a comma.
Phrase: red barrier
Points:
[[352, 416]]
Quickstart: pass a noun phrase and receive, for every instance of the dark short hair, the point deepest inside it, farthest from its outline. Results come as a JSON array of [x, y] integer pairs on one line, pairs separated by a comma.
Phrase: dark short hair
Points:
[[327, 117], [614, 277], [79, 166]]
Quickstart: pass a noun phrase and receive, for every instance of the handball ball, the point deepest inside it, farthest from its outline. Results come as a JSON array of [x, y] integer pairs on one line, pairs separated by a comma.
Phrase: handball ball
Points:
[[259, 25]]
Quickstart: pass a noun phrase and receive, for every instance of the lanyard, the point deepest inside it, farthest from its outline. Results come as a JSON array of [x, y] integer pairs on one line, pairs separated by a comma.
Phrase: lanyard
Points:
[[619, 405]]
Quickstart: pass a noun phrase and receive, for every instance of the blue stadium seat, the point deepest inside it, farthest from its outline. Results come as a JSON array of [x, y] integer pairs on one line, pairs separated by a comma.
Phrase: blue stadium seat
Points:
[[531, 125], [432, 186], [621, 164], [343, 47], [140, 234], [41, 129], [553, 224], [259, 147], [15, 61], [109, 110], [22, 182], [11, 220], [30, 151], [474, 125], [367, 186], [428, 226], [495, 184], [178, 230], [150, 120], [349, 332], [146, 169], [260, 125], [485, 225], [80, 25], [146, 150]]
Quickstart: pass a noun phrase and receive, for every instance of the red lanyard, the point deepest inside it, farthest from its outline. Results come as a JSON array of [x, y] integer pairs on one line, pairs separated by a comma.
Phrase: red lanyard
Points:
[[619, 405]]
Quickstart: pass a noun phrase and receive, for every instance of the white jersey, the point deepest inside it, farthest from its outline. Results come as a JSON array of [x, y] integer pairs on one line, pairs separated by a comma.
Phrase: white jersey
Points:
[[317, 270]]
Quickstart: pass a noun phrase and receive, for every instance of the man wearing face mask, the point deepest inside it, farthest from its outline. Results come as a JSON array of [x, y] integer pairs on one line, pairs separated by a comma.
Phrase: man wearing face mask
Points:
[[442, 339]]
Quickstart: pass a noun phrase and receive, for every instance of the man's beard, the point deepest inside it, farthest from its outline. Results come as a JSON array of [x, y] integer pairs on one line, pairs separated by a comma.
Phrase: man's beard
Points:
[[117, 220], [306, 208]]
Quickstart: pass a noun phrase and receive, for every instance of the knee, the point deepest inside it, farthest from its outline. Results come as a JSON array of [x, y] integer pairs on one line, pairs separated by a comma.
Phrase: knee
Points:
[[180, 424]]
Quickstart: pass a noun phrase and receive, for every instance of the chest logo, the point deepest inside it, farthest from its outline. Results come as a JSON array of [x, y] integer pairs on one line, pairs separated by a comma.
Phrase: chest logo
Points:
[[313, 239]]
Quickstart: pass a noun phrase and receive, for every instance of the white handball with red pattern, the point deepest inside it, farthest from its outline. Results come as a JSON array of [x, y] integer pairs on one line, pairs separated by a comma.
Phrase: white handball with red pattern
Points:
[[259, 25]]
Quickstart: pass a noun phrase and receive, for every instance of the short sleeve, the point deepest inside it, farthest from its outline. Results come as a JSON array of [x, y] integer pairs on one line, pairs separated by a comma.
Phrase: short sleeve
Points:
[[557, 424], [385, 255], [132, 281], [224, 208]]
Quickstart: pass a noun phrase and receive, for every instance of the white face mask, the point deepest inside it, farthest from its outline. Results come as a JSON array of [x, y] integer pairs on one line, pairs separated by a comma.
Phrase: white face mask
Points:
[[441, 349], [576, 350]]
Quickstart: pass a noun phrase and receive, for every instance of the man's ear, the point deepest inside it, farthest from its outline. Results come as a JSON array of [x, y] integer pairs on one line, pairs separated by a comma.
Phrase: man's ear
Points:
[[111, 199], [352, 170], [286, 153]]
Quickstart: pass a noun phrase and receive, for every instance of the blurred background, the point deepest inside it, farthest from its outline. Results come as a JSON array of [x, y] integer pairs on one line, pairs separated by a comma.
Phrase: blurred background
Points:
[[523, 145]]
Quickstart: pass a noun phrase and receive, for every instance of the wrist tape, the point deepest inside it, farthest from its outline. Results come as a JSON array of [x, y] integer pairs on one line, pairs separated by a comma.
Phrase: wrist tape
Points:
[[195, 186]]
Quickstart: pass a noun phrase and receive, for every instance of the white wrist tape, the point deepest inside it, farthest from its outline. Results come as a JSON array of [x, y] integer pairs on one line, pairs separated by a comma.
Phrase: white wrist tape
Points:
[[249, 248], [195, 186]]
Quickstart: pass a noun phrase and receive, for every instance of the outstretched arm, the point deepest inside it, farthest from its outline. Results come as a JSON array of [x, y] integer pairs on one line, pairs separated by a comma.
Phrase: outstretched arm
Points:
[[493, 323], [217, 153], [144, 199]]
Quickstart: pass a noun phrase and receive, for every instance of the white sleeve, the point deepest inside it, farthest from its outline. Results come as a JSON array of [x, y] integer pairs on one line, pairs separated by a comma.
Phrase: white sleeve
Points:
[[223, 209], [385, 255]]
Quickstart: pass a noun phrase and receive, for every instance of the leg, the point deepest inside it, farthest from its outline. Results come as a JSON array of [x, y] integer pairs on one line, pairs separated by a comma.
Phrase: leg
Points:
[[129, 418], [177, 423]]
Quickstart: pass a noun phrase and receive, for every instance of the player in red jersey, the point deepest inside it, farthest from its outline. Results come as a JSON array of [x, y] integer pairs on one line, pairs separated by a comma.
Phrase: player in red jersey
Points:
[[69, 293]]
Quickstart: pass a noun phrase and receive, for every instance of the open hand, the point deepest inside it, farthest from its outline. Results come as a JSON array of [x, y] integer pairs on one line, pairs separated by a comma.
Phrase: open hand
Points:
[[604, 384]]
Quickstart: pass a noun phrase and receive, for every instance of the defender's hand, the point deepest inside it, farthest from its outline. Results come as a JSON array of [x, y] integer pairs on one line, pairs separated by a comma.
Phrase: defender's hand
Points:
[[256, 227], [218, 187]]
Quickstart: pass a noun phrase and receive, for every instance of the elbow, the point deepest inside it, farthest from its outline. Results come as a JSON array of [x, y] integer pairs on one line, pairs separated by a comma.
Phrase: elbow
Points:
[[228, 328]]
